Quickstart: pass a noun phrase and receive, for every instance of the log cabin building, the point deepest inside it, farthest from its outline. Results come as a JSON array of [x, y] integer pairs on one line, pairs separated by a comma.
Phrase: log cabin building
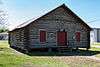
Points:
[[58, 28]]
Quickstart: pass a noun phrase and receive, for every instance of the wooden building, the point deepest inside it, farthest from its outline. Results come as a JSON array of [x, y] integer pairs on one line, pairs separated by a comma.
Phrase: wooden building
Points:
[[54, 30]]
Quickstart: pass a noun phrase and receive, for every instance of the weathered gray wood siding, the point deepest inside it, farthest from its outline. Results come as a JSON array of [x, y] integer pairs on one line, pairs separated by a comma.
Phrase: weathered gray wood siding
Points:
[[53, 22], [17, 38]]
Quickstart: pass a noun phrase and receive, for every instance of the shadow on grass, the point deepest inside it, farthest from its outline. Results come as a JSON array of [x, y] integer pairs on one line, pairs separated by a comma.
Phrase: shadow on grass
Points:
[[79, 52], [68, 53]]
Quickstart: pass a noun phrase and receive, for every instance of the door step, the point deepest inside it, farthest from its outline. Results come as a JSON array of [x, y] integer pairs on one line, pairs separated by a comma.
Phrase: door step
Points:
[[64, 49]]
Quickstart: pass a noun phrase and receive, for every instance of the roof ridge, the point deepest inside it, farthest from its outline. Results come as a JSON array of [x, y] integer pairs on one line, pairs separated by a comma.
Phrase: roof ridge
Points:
[[63, 5]]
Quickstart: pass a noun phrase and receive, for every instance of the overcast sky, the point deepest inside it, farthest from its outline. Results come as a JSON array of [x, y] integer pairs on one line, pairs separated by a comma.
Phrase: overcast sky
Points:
[[20, 11]]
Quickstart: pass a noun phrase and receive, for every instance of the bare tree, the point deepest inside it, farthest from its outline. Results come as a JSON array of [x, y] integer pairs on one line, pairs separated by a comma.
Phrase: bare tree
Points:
[[3, 17]]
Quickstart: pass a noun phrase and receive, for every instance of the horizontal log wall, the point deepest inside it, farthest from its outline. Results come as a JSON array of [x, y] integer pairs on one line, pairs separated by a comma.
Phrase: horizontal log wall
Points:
[[17, 38]]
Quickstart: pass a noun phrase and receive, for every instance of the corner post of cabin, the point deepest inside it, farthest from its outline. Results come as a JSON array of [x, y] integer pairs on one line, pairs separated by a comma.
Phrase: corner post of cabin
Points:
[[88, 43], [9, 37]]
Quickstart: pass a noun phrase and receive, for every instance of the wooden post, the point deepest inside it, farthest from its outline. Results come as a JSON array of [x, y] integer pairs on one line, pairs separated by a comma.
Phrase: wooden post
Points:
[[50, 49]]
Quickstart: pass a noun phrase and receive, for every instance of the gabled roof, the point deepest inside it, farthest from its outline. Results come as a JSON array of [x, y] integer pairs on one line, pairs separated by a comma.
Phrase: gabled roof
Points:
[[63, 6]]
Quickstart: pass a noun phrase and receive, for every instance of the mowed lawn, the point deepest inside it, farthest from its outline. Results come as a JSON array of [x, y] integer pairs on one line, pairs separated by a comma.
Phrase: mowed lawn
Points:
[[11, 58]]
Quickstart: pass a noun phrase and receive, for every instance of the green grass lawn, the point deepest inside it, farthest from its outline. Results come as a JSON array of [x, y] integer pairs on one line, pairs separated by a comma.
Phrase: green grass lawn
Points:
[[94, 48], [97, 44], [11, 58]]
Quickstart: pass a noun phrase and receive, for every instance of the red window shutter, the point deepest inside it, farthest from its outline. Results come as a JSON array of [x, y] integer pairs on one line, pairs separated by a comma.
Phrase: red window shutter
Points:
[[42, 36], [78, 36]]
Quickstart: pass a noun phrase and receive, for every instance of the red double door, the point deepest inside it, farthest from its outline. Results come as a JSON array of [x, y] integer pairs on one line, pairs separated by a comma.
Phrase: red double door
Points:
[[62, 38]]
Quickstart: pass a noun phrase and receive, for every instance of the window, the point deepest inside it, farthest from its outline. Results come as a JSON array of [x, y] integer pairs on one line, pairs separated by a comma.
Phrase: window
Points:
[[78, 34], [42, 36]]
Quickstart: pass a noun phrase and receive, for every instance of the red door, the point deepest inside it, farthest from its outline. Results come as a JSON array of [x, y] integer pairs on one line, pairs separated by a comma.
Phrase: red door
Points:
[[62, 38], [78, 36], [42, 36]]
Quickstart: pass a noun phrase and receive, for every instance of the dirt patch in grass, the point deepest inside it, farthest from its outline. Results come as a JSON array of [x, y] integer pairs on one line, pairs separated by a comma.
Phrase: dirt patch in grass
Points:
[[79, 61]]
